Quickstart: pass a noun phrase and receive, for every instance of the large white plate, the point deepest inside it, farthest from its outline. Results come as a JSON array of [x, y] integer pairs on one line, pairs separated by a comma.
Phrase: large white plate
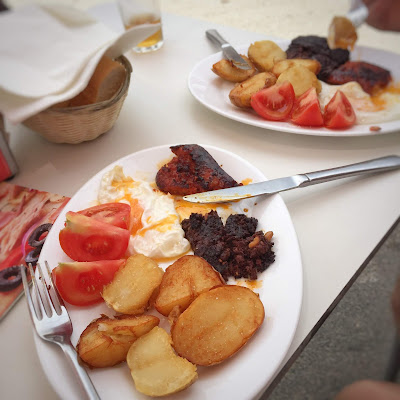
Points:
[[213, 92], [244, 376]]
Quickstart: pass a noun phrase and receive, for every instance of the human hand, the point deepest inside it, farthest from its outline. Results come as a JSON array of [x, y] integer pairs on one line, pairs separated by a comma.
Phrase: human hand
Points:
[[384, 14], [370, 390]]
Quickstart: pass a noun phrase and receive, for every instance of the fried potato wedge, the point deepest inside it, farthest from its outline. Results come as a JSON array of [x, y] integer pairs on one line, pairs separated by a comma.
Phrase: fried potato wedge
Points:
[[155, 368], [217, 324], [134, 285], [241, 94], [227, 70], [282, 65], [183, 281], [301, 78], [105, 341], [264, 54]]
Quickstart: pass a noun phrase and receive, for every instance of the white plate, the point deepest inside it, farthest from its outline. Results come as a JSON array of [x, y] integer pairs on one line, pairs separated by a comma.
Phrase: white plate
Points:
[[245, 375], [213, 92]]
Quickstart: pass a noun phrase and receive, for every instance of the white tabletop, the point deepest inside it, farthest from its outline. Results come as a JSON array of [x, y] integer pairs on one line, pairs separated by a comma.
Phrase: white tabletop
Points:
[[338, 224]]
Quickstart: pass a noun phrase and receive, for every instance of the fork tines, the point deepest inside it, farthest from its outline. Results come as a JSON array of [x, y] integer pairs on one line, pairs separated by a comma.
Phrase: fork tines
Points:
[[51, 320], [47, 303]]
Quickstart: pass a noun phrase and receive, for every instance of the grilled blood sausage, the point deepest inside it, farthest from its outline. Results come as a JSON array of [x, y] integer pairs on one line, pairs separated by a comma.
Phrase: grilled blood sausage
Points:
[[369, 76], [192, 170]]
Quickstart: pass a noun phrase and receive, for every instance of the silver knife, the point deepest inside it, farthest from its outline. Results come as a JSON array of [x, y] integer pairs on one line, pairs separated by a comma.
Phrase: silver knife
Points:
[[295, 181], [230, 53]]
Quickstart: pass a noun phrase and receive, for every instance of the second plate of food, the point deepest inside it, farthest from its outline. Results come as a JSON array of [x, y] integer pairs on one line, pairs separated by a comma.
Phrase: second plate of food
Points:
[[247, 373], [213, 92]]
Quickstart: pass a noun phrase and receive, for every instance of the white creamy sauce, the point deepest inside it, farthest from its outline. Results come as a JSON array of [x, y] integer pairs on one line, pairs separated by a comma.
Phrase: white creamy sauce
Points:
[[366, 111]]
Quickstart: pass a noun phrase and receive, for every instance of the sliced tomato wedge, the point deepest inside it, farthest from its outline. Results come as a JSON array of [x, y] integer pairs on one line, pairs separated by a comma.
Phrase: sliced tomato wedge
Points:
[[117, 214], [339, 113], [87, 239], [81, 283], [306, 110], [274, 103]]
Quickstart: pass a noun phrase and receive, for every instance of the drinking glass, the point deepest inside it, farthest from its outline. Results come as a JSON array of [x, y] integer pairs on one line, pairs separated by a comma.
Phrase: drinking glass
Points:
[[138, 12]]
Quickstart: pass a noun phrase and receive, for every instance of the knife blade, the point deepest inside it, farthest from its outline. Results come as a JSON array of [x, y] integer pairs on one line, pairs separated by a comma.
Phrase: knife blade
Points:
[[296, 181], [230, 53]]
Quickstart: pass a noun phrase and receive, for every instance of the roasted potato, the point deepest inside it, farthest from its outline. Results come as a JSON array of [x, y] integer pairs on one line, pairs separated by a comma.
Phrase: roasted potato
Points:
[[301, 78], [106, 341], [155, 368], [280, 66], [264, 54], [227, 70], [241, 94], [183, 281], [217, 324], [134, 285]]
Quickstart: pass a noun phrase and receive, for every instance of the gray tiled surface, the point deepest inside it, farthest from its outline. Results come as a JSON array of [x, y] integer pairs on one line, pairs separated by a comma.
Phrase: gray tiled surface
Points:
[[356, 339]]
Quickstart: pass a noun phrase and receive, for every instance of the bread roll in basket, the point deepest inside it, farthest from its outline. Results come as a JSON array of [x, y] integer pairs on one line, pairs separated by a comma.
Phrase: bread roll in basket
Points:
[[86, 116]]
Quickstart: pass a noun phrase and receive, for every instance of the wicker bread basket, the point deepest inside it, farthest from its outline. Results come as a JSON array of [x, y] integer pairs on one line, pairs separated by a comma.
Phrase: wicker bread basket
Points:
[[78, 124]]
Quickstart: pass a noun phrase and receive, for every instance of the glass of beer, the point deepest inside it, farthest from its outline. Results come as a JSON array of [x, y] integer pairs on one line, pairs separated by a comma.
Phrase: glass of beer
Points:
[[138, 12]]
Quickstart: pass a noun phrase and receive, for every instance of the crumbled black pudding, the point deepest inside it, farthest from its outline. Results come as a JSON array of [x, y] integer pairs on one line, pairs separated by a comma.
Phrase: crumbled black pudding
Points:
[[235, 249]]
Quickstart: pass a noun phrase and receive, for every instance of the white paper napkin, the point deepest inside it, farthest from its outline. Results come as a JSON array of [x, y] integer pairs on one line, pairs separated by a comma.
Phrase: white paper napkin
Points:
[[49, 53]]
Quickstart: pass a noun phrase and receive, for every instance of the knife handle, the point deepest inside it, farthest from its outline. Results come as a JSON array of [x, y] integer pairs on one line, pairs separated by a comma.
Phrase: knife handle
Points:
[[215, 37], [365, 167]]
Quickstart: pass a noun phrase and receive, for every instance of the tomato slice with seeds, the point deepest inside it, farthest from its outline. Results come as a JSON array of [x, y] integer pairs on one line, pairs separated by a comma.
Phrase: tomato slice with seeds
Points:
[[117, 214], [275, 102], [87, 239], [81, 283], [339, 113], [306, 110]]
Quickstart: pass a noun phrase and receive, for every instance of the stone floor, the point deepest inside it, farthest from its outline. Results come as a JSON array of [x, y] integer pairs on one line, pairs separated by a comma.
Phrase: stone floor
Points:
[[356, 339]]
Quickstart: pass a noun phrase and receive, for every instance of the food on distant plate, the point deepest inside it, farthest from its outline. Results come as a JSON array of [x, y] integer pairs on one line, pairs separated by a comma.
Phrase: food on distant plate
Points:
[[281, 66], [336, 67], [316, 48], [155, 368], [183, 281], [339, 113], [81, 283], [88, 239], [306, 110], [155, 230], [241, 94], [217, 324], [135, 285], [192, 170], [370, 77], [274, 103], [311, 63], [117, 214], [264, 54], [227, 70], [106, 341], [301, 79], [234, 249], [278, 103]]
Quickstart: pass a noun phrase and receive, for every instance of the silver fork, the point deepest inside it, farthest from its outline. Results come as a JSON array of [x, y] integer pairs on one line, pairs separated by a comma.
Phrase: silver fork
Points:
[[52, 322]]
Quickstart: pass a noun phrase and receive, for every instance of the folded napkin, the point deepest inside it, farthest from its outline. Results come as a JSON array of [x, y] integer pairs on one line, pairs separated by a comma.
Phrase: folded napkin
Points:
[[49, 53]]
